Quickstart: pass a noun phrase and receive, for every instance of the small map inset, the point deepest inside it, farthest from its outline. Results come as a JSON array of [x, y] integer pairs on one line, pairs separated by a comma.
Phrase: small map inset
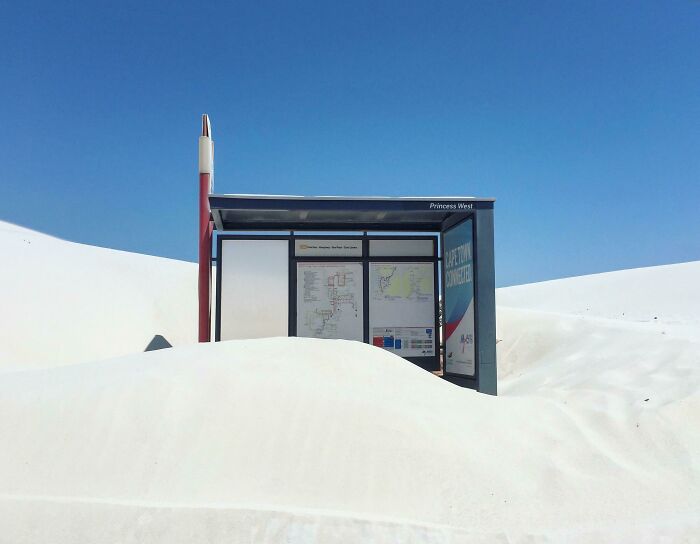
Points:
[[329, 300], [407, 281]]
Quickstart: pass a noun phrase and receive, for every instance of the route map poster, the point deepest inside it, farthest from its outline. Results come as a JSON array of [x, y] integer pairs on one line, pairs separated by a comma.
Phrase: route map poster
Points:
[[329, 300], [459, 300], [402, 307]]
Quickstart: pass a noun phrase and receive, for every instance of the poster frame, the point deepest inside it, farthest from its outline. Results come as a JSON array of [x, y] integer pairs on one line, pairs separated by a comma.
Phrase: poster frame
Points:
[[340, 261], [436, 302], [475, 376]]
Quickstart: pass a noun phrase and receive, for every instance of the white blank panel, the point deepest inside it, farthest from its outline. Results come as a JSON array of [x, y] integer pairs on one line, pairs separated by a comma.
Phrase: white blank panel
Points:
[[254, 288], [401, 248]]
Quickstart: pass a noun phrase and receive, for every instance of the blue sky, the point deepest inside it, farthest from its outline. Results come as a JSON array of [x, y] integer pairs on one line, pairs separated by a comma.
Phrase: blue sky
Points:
[[582, 119]]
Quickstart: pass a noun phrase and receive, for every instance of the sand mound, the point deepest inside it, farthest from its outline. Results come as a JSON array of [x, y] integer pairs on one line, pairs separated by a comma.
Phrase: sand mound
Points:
[[290, 436]]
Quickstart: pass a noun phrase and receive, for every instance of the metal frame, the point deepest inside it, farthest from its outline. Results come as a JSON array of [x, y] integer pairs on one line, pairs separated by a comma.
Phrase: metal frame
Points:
[[428, 363], [219, 239]]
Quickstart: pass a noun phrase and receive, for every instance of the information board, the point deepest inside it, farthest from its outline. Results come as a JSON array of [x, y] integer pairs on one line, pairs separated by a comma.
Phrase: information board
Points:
[[402, 307], [459, 300], [329, 300]]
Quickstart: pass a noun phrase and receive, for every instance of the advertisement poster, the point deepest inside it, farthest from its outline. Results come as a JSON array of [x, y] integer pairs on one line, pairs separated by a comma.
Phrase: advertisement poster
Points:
[[459, 300]]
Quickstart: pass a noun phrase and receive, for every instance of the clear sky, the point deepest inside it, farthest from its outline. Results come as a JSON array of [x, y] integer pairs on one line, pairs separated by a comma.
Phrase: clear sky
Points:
[[581, 118]]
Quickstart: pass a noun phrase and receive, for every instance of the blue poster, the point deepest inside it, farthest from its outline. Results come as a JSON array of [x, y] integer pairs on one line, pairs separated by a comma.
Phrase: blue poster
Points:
[[459, 300]]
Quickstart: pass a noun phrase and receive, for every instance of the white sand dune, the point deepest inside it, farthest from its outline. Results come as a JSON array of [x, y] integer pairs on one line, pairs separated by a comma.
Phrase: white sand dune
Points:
[[62, 302], [665, 296], [595, 437]]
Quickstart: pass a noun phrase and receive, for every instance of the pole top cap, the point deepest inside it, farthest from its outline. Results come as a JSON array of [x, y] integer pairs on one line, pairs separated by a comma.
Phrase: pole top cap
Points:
[[206, 126]]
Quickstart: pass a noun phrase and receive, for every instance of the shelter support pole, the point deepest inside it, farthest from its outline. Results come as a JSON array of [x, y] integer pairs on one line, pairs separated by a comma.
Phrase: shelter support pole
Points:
[[485, 287]]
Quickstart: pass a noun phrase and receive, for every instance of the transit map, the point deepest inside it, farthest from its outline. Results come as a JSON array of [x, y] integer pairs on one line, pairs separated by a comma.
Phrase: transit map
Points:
[[329, 300]]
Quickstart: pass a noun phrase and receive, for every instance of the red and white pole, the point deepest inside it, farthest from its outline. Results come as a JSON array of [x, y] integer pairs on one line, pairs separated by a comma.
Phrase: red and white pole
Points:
[[206, 228]]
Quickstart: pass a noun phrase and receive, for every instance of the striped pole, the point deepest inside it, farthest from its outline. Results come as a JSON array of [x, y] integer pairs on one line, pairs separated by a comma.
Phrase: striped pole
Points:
[[206, 228]]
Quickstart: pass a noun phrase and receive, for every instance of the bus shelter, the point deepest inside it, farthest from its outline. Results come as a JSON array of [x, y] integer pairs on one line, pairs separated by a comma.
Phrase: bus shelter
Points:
[[411, 275]]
